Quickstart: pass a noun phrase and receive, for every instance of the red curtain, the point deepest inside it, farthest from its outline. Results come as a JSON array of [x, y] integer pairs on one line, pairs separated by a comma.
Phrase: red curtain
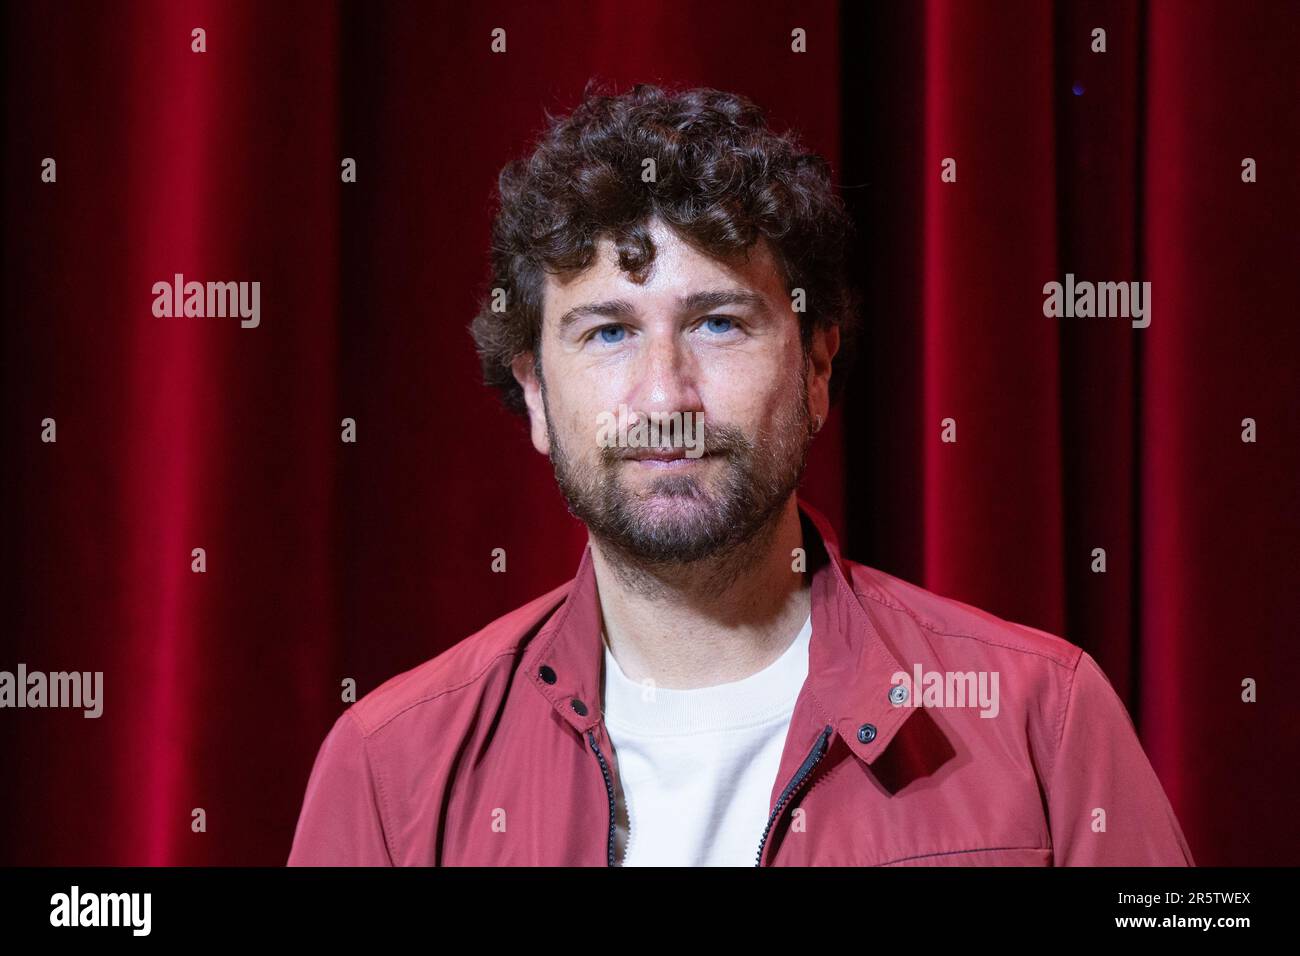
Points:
[[1081, 433], [328, 560]]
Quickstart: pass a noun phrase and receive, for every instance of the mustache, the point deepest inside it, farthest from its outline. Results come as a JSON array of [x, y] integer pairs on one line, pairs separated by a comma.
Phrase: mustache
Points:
[[721, 440]]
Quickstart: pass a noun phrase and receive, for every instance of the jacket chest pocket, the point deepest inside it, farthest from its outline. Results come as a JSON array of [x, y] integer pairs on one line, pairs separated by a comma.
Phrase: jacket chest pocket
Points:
[[847, 819]]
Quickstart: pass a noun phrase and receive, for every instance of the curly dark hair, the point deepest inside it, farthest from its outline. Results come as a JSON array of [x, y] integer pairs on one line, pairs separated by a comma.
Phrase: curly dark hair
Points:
[[723, 180]]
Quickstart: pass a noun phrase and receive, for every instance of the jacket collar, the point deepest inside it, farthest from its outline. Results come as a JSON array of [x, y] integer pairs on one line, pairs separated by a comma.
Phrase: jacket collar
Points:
[[850, 665]]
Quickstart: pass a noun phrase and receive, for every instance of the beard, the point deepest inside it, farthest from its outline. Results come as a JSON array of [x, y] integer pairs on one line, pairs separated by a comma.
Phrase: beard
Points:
[[678, 519]]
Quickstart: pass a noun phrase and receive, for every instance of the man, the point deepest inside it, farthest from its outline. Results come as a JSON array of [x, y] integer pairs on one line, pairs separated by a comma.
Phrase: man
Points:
[[717, 685]]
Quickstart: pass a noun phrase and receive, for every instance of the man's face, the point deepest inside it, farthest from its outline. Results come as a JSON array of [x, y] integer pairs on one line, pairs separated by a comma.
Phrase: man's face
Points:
[[696, 336]]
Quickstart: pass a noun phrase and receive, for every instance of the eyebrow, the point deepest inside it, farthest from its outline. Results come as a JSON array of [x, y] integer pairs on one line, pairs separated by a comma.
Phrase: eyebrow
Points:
[[696, 301]]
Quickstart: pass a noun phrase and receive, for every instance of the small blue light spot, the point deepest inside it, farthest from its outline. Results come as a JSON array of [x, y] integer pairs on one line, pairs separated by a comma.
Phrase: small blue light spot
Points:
[[1078, 89]]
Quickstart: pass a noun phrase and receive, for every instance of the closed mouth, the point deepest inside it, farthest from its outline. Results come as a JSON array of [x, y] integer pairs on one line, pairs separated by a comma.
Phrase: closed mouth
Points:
[[663, 456]]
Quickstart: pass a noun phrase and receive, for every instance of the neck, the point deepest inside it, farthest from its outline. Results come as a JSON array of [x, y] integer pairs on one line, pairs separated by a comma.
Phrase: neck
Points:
[[706, 622]]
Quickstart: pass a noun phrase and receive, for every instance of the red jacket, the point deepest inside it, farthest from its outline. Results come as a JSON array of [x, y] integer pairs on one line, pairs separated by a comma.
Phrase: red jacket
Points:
[[494, 752]]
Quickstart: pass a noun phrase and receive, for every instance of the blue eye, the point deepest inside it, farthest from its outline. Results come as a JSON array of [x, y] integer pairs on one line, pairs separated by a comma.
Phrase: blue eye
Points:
[[607, 338], [713, 327]]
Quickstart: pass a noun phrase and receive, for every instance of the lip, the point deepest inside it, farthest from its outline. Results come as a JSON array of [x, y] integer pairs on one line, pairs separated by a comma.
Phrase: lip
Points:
[[673, 459]]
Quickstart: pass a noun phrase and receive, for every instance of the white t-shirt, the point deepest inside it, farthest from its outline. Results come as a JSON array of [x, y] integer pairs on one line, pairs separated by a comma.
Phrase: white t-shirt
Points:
[[696, 767]]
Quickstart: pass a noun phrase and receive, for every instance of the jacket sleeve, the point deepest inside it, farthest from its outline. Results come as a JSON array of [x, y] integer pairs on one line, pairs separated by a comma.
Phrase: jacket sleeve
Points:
[[1101, 777], [341, 823]]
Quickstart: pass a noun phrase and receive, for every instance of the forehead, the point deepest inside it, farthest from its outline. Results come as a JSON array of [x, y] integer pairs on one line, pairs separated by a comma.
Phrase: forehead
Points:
[[678, 271]]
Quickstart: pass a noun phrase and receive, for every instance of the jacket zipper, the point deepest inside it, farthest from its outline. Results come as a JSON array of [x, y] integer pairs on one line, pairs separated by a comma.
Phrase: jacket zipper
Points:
[[609, 787], [816, 754]]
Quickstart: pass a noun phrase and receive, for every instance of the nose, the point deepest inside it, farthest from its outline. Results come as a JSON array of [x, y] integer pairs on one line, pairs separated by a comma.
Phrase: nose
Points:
[[665, 377]]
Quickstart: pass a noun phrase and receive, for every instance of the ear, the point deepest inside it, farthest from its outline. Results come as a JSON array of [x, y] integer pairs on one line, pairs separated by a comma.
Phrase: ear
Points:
[[825, 343], [526, 375]]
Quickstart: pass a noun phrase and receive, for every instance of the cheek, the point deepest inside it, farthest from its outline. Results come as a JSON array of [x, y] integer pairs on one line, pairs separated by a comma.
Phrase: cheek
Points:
[[750, 393], [566, 398], [575, 423]]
